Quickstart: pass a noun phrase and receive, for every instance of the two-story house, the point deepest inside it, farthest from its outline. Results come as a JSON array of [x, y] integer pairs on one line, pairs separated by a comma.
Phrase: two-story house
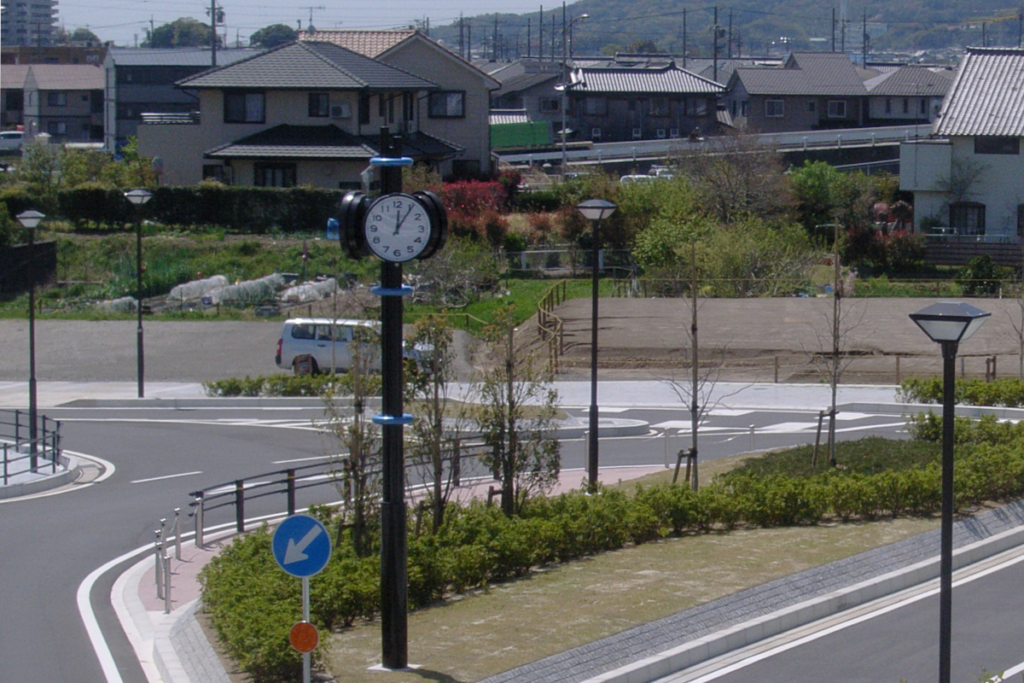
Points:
[[811, 91], [304, 113], [640, 97], [457, 111], [65, 101], [970, 175], [906, 94]]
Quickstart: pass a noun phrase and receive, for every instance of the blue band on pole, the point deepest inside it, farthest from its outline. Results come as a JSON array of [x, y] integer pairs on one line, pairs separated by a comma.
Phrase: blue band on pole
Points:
[[391, 161], [393, 419], [404, 290]]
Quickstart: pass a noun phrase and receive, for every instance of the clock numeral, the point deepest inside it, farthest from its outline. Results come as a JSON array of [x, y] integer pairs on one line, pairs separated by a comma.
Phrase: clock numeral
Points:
[[373, 228], [423, 228], [377, 218], [418, 240], [376, 240], [397, 253]]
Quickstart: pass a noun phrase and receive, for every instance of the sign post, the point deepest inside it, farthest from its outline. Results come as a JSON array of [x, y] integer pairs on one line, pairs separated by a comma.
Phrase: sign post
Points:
[[302, 548]]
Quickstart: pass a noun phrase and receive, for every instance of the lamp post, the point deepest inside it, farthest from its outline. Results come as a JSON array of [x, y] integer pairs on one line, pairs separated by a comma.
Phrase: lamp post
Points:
[[565, 85], [594, 210], [948, 324], [30, 220], [138, 198]]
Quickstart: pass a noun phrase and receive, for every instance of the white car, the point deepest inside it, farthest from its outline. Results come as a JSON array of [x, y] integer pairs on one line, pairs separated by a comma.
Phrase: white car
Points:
[[328, 342], [11, 139]]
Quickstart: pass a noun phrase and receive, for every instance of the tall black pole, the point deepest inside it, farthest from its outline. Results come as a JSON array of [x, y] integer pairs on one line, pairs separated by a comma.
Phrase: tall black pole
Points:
[[393, 558], [138, 302], [949, 350], [32, 405], [592, 454]]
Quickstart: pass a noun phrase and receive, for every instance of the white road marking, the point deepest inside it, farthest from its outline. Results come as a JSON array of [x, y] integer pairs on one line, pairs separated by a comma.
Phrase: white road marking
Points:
[[318, 457], [167, 476], [108, 471]]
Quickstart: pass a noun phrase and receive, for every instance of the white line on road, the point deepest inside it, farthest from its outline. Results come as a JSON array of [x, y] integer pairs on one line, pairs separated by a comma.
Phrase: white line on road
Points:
[[318, 457], [167, 476], [106, 465]]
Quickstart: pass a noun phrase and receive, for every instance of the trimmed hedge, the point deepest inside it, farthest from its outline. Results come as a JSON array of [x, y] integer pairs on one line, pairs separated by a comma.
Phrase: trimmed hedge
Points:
[[1008, 392], [254, 210], [289, 385], [253, 602]]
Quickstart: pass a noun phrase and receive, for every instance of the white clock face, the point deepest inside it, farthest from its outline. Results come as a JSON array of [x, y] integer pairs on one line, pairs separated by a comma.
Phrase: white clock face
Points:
[[397, 227]]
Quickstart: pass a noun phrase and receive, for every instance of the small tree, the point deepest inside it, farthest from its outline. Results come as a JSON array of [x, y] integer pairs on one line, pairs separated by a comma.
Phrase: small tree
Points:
[[273, 35], [437, 434], [360, 471], [183, 32], [517, 406]]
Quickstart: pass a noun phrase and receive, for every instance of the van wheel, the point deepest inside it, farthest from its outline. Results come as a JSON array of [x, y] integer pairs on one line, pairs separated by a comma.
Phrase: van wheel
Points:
[[305, 365]]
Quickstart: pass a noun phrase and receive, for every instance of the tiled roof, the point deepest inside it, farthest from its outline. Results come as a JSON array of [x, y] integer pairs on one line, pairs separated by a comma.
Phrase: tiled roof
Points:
[[67, 76], [806, 73], [321, 142], [524, 81], [306, 65], [987, 95], [663, 79], [369, 43], [183, 56], [910, 81]]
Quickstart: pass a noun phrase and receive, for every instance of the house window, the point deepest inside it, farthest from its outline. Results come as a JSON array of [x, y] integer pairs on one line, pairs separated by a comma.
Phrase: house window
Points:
[[274, 175], [967, 217], [215, 172], [319, 105], [924, 107], [57, 99], [386, 108], [244, 107], [1020, 220], [906, 106], [659, 106], [990, 144], [57, 128], [774, 109], [448, 105], [888, 105], [548, 105], [408, 106], [837, 109], [812, 106], [364, 108], [696, 106], [595, 106]]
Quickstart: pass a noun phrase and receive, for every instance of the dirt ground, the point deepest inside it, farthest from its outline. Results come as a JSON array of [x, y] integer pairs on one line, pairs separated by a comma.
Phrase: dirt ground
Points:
[[638, 339]]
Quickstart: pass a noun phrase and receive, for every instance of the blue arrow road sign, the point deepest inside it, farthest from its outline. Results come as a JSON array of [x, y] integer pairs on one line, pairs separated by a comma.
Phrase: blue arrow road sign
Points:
[[301, 546]]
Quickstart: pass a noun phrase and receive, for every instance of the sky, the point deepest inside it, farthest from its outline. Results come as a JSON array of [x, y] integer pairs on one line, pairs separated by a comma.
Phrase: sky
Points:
[[126, 21]]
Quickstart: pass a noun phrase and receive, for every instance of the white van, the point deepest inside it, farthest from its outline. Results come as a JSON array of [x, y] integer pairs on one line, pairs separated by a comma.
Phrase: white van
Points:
[[11, 139], [326, 341]]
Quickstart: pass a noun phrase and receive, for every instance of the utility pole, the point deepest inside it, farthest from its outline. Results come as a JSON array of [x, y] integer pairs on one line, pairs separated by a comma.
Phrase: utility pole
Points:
[[540, 39], [529, 37], [730, 33], [833, 29], [494, 39], [552, 36], [684, 37], [462, 35], [213, 32], [864, 40], [714, 30]]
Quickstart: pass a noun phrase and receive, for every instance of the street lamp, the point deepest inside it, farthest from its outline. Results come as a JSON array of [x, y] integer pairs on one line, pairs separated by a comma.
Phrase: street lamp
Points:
[[565, 85], [138, 198], [948, 324], [30, 220], [594, 210]]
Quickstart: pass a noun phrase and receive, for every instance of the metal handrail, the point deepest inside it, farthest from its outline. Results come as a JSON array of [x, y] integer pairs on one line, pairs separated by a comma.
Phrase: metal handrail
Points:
[[15, 428]]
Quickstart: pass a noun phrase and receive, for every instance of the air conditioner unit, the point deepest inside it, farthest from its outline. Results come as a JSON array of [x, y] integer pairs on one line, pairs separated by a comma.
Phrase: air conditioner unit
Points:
[[673, 133], [341, 111], [595, 133], [661, 133]]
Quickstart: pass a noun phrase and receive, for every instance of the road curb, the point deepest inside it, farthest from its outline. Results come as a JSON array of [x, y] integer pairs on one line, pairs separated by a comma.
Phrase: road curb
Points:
[[52, 481], [741, 635]]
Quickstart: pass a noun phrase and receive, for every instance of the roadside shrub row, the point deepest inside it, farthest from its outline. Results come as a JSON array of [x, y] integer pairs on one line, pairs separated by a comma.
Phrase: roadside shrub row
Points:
[[1008, 392], [287, 385], [253, 603], [254, 210]]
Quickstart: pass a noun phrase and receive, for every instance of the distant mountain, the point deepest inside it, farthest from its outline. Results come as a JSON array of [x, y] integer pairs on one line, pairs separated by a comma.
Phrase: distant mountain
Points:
[[750, 27]]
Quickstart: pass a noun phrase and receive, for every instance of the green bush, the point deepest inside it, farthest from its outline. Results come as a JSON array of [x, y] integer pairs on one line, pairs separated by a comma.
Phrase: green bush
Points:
[[323, 385]]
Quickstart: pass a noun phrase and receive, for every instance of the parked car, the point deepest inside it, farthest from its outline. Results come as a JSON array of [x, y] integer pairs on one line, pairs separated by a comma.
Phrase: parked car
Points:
[[11, 139], [312, 345]]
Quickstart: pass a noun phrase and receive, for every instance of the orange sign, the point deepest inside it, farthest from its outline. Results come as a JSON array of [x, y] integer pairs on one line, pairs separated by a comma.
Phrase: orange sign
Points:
[[304, 637]]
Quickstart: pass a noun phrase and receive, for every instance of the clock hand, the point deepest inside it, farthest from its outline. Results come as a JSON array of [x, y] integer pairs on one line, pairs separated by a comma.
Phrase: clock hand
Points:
[[403, 219]]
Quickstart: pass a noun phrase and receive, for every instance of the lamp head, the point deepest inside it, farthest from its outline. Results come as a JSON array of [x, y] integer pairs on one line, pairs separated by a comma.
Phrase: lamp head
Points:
[[596, 209], [949, 321], [138, 197], [30, 219]]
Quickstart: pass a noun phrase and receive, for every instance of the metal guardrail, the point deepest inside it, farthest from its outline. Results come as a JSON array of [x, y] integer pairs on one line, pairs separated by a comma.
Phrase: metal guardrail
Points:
[[17, 445], [288, 482], [549, 326]]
